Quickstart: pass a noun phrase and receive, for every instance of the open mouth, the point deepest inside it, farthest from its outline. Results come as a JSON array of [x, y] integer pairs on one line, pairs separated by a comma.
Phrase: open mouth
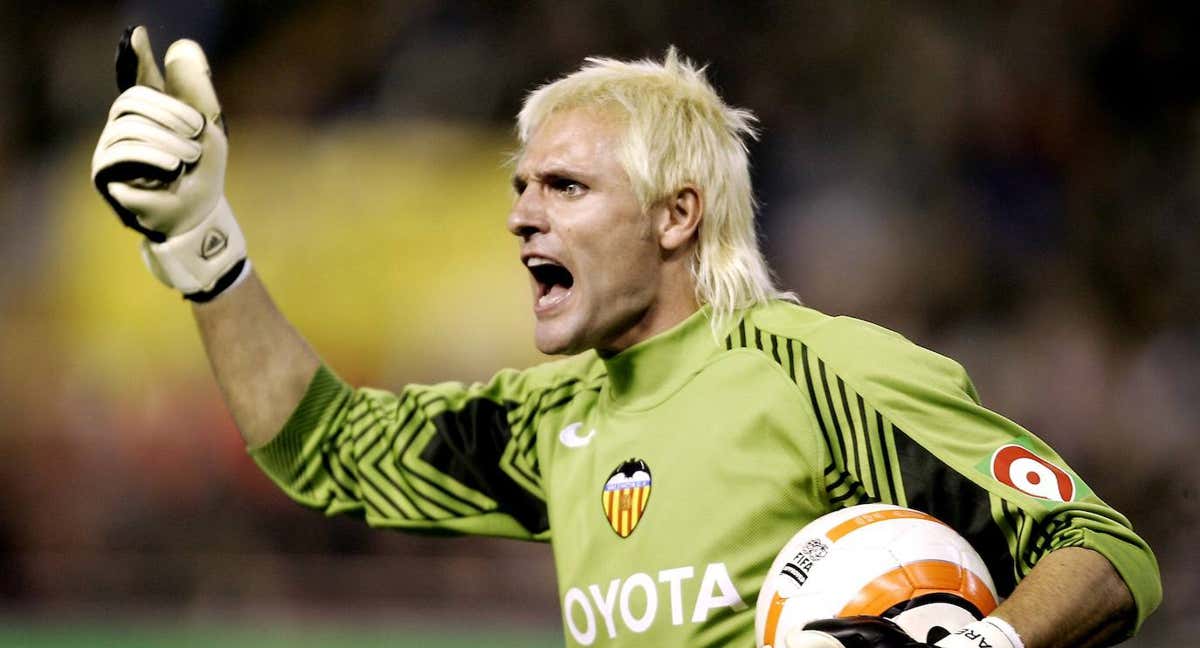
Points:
[[554, 281]]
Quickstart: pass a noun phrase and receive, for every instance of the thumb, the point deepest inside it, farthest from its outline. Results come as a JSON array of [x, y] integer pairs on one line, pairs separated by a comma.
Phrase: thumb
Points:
[[189, 79], [810, 639], [135, 61]]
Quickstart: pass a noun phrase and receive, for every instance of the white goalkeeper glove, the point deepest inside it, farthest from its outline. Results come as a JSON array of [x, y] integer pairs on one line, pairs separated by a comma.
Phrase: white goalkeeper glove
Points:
[[160, 164], [875, 632]]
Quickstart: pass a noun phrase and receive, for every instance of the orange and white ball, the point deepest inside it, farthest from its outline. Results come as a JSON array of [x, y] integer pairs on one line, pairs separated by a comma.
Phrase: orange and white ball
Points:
[[874, 559]]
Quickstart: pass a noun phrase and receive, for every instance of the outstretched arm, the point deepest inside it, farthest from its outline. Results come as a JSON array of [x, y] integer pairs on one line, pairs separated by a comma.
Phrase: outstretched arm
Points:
[[160, 164], [261, 362]]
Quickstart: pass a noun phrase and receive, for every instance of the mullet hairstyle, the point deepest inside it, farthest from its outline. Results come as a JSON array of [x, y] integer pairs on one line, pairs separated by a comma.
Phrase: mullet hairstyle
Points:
[[678, 131]]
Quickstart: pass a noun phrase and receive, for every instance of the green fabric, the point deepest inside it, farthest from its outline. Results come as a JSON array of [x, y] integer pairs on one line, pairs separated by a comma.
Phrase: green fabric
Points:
[[746, 436], [186, 631]]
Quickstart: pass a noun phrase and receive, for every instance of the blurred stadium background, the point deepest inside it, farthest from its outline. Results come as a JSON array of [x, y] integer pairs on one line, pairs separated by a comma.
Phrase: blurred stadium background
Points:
[[1015, 185]]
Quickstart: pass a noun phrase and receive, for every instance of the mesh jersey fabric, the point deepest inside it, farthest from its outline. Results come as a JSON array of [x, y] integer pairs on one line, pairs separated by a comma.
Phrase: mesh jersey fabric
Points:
[[668, 476]]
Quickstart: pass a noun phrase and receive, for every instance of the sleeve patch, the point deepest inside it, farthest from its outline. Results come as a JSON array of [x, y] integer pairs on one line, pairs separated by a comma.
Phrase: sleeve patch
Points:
[[1017, 465], [936, 489]]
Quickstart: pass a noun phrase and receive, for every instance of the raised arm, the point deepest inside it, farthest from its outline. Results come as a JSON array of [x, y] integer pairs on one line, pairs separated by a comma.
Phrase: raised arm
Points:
[[160, 164], [261, 363]]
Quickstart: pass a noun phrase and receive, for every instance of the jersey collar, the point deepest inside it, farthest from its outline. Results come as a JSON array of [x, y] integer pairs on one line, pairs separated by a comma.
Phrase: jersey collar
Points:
[[646, 373]]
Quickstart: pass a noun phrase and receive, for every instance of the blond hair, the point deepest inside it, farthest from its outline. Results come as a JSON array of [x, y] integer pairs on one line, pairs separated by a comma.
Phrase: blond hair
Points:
[[678, 131]]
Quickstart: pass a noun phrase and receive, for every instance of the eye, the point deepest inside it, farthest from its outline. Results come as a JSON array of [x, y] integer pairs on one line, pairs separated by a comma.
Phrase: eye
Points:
[[519, 185], [568, 187]]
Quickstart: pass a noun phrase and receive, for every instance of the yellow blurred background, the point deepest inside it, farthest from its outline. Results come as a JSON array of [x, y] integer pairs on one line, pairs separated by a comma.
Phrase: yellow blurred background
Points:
[[392, 259], [385, 244]]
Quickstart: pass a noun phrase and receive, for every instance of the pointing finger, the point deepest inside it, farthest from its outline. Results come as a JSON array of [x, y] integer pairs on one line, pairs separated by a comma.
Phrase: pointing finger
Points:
[[135, 61]]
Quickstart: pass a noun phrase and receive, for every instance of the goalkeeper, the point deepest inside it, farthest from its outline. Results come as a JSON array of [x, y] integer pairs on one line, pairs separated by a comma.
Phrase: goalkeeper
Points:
[[694, 389]]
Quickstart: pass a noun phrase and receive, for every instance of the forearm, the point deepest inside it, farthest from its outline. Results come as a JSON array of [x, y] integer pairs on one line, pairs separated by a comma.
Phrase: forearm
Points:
[[262, 364], [1072, 597]]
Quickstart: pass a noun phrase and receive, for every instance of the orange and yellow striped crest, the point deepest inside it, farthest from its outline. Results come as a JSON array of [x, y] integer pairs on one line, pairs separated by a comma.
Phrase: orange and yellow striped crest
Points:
[[625, 496]]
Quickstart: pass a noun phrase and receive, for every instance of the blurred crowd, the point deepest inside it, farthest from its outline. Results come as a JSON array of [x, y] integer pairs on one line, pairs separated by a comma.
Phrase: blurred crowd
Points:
[[1014, 185]]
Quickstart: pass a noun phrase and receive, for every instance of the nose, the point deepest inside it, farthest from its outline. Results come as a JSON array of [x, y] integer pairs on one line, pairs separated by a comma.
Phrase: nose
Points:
[[528, 215]]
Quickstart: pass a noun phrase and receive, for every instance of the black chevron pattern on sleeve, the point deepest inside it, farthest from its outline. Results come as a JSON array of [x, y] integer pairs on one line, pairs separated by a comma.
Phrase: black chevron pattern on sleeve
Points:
[[469, 447], [381, 437], [423, 456]]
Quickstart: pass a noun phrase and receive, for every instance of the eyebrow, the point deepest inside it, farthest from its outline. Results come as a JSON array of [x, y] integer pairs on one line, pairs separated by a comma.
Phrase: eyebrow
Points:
[[553, 172]]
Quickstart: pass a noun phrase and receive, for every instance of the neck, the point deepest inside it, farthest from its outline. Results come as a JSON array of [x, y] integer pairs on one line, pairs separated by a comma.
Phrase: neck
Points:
[[646, 373], [656, 319], [675, 302]]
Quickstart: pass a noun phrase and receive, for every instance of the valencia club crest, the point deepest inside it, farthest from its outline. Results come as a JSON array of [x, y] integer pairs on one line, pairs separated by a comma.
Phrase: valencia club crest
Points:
[[625, 496]]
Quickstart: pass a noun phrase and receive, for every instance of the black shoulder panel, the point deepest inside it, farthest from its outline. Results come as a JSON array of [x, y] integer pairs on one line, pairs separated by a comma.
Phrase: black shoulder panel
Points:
[[469, 447], [935, 488]]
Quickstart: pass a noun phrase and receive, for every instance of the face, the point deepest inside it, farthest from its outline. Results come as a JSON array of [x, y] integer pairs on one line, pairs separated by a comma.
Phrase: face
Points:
[[593, 257]]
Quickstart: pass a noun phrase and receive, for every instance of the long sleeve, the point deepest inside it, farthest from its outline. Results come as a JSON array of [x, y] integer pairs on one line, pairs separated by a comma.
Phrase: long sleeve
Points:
[[939, 450], [903, 425], [447, 458]]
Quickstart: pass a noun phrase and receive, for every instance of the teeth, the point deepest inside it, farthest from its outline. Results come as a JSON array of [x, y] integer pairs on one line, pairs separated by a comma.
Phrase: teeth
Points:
[[534, 262]]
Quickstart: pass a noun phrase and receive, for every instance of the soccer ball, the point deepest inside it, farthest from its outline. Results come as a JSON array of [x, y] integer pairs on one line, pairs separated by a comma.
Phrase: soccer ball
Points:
[[875, 559]]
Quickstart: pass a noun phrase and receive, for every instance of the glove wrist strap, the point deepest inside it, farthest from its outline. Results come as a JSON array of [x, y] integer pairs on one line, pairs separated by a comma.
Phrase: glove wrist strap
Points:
[[203, 261], [991, 632], [236, 275]]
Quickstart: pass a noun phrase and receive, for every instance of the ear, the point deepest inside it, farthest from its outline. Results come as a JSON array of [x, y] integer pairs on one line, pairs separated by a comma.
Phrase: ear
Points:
[[680, 221]]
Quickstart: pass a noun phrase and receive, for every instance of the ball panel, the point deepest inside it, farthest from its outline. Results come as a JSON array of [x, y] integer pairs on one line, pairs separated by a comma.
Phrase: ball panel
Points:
[[865, 518], [873, 559], [772, 623], [915, 579], [981, 594]]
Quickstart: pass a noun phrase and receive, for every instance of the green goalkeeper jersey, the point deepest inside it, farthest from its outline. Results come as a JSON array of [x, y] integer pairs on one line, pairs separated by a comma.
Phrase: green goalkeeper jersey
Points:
[[668, 476]]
